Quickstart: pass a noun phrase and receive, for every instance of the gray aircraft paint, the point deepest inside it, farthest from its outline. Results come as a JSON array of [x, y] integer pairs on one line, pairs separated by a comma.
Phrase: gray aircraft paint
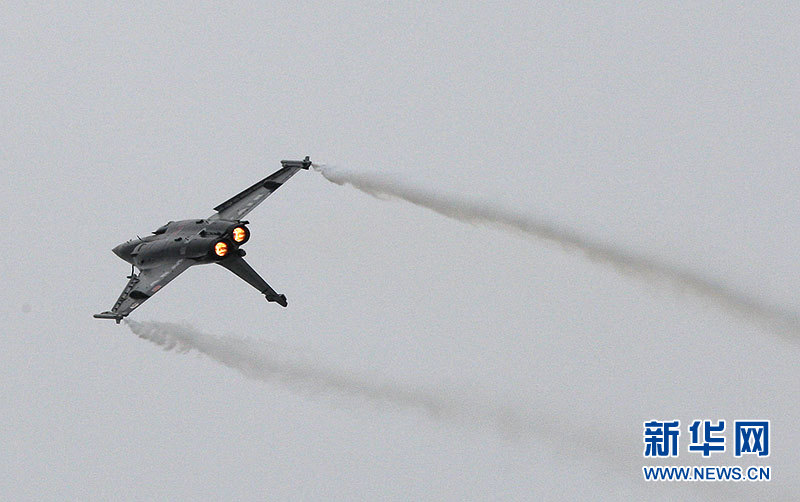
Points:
[[178, 245]]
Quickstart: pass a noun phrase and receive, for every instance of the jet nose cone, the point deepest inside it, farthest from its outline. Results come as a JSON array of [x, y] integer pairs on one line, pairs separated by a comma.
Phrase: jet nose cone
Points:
[[124, 250]]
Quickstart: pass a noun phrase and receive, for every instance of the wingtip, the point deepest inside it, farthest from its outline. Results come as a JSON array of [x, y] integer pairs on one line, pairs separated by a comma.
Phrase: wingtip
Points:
[[302, 164], [279, 299], [108, 315]]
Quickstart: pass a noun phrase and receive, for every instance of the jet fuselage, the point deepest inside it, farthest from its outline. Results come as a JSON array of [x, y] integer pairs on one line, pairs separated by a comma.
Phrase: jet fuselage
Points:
[[200, 240], [178, 245]]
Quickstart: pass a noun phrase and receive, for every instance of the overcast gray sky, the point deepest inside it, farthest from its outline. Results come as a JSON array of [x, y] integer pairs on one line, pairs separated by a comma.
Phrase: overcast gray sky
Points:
[[665, 130]]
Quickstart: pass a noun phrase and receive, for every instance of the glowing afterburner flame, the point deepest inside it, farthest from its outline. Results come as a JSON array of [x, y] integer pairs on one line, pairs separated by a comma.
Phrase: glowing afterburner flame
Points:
[[239, 234], [220, 249]]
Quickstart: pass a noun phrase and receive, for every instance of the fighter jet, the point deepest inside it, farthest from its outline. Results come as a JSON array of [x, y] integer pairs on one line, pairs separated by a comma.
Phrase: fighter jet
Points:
[[177, 245]]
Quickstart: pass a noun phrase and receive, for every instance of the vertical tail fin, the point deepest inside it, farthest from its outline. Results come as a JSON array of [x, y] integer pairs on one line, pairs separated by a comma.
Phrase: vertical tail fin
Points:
[[236, 264]]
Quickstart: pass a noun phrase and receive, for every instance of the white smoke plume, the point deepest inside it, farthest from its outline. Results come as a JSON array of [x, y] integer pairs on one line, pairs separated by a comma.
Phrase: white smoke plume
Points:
[[269, 362], [383, 186]]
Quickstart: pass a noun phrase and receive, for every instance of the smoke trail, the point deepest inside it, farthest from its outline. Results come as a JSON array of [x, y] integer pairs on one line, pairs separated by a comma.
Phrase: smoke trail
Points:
[[468, 210], [266, 362], [553, 435]]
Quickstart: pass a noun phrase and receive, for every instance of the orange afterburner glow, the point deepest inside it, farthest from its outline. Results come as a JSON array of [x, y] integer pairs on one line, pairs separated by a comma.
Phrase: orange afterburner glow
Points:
[[239, 234], [221, 249]]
